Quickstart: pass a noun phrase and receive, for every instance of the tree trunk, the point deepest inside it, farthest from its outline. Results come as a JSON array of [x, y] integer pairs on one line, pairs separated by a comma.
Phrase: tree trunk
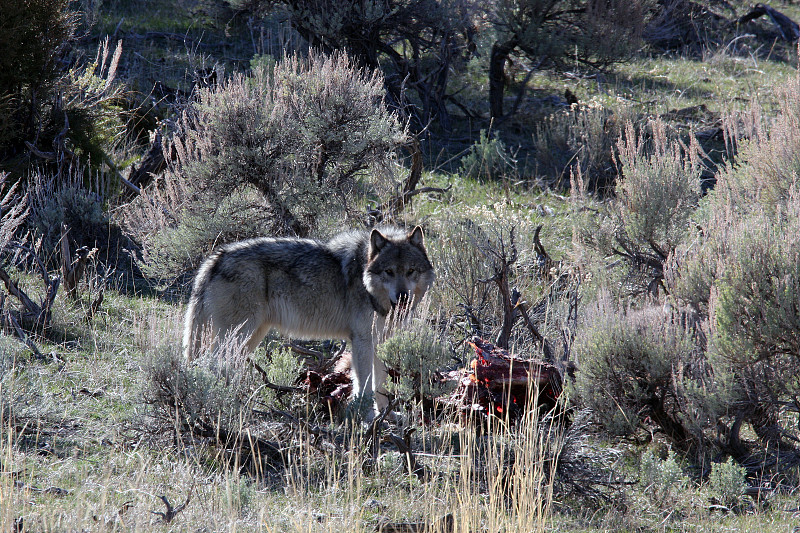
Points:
[[497, 76]]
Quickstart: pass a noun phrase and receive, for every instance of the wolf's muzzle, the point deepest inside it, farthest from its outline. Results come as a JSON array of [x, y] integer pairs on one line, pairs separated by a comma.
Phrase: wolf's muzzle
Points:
[[403, 299]]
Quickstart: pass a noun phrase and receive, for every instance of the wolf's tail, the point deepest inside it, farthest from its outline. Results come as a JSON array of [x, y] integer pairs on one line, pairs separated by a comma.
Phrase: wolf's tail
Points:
[[197, 312], [192, 328]]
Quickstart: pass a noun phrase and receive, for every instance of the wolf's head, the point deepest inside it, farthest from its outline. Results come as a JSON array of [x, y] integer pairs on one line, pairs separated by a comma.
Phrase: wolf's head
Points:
[[398, 271]]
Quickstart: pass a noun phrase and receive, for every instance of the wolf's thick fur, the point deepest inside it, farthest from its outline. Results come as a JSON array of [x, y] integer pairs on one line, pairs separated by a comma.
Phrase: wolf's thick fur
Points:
[[341, 289]]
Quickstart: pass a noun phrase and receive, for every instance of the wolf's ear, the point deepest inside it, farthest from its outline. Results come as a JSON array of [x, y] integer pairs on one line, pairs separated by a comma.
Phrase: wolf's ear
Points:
[[416, 237], [376, 242]]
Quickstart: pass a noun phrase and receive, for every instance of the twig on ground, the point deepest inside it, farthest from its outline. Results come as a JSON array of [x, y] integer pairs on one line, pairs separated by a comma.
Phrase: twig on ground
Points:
[[172, 511], [404, 446], [373, 435]]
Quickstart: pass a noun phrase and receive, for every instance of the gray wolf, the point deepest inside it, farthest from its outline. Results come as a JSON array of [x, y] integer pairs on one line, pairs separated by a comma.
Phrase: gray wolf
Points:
[[344, 288]]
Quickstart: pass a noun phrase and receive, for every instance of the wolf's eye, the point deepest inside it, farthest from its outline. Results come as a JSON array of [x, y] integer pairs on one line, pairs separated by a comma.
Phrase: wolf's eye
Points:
[[410, 271], [389, 272]]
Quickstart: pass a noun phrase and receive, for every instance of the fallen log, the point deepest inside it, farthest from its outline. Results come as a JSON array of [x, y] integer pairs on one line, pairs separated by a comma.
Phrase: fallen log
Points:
[[789, 29]]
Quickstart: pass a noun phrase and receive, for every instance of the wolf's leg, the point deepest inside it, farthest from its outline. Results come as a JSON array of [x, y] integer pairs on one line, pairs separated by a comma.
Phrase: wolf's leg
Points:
[[363, 399], [362, 365], [256, 337], [379, 371], [378, 367], [249, 331]]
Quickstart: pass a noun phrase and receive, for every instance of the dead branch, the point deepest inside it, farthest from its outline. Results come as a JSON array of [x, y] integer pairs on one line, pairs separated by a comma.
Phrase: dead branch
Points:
[[72, 271], [7, 319], [281, 389], [38, 314], [33, 255], [547, 349], [250, 448], [55, 491], [503, 259], [14, 290], [170, 513], [545, 261], [151, 164], [66, 256], [114, 520], [316, 431], [308, 353], [95, 306], [374, 432], [396, 205]]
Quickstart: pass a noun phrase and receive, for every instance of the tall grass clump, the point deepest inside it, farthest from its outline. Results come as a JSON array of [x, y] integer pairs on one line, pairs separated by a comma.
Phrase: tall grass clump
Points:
[[283, 151], [767, 146], [473, 245], [14, 209], [580, 139]]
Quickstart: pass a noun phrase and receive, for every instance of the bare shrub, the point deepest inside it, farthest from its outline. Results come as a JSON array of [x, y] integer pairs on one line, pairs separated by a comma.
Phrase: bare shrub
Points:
[[415, 42], [481, 242], [282, 151], [458, 291], [678, 23], [563, 32]]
